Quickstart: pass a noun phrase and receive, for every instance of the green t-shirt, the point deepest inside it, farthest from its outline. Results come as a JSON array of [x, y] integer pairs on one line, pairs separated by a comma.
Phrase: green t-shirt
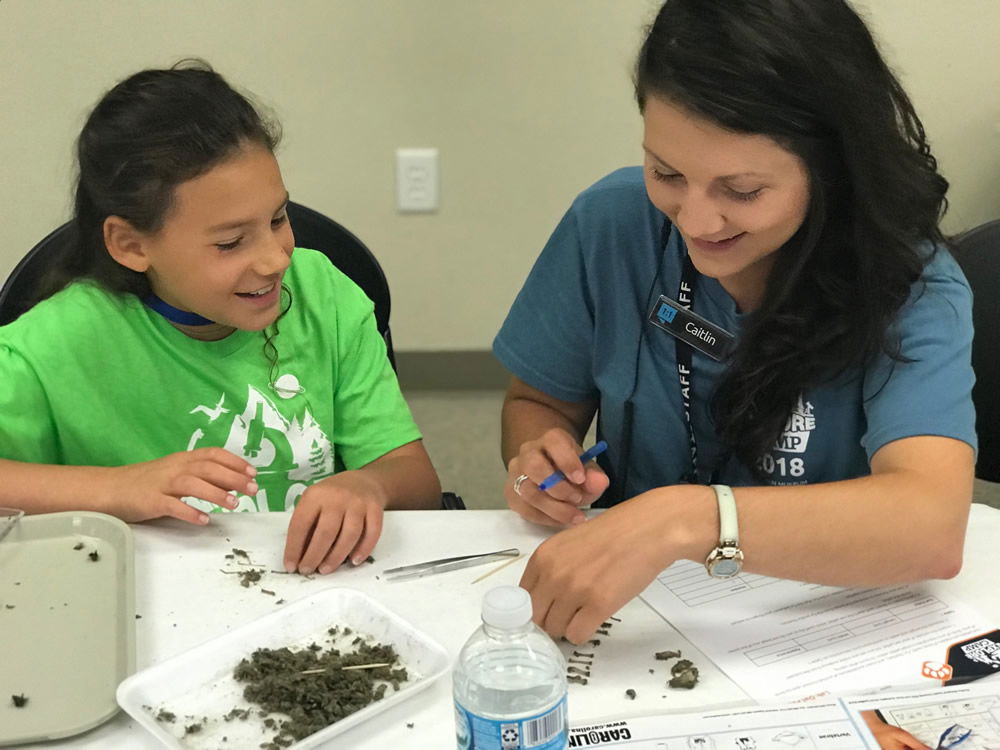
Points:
[[90, 378]]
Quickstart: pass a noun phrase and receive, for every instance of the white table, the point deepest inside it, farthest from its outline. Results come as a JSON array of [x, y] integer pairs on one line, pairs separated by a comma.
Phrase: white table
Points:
[[183, 600]]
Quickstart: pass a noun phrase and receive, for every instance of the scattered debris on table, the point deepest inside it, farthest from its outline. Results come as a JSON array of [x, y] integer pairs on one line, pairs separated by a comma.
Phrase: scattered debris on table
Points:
[[252, 575], [685, 675], [581, 675], [664, 655]]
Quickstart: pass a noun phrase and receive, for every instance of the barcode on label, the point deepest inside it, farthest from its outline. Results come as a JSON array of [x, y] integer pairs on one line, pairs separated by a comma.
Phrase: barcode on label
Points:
[[544, 728]]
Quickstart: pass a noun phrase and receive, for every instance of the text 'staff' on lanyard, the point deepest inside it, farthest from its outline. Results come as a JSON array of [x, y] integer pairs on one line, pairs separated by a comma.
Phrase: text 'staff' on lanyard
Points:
[[691, 328]]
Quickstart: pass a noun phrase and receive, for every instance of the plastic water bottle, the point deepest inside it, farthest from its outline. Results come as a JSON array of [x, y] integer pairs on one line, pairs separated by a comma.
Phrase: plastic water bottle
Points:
[[510, 681]]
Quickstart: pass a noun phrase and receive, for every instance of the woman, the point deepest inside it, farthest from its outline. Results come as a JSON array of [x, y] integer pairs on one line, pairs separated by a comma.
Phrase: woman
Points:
[[789, 198]]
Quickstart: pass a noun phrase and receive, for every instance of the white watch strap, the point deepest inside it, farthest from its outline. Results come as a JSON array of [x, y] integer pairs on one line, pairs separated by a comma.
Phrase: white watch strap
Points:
[[729, 530]]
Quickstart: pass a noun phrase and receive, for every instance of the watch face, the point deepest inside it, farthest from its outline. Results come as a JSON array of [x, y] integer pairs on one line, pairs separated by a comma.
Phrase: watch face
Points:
[[725, 568]]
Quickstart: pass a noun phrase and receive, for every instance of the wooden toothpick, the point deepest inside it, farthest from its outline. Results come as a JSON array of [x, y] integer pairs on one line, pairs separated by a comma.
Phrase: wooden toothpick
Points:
[[345, 669], [498, 567]]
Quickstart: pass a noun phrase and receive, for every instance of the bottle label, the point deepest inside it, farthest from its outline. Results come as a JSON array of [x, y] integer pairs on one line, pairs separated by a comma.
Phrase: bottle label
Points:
[[544, 731]]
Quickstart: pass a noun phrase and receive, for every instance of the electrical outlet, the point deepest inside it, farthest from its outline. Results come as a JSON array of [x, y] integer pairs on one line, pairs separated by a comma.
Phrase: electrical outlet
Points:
[[417, 179]]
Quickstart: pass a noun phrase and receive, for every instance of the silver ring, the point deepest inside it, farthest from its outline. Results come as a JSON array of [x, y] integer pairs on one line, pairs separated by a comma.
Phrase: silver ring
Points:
[[517, 484]]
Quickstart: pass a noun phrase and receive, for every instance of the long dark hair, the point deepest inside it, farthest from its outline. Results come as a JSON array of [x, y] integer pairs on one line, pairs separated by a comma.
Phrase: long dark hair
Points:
[[807, 74], [147, 135]]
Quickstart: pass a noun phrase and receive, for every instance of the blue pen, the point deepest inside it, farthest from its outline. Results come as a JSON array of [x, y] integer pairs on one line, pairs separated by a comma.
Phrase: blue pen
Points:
[[587, 455], [953, 736]]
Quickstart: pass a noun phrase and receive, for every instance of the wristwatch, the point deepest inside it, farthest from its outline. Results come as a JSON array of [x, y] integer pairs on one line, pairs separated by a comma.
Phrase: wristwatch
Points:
[[726, 560]]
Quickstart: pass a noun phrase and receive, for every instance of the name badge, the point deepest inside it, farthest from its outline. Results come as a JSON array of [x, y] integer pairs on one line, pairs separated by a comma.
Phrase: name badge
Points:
[[691, 328]]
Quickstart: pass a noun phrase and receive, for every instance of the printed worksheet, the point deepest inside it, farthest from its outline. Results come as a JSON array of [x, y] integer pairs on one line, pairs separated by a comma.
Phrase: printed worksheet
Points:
[[803, 727], [964, 717], [786, 640]]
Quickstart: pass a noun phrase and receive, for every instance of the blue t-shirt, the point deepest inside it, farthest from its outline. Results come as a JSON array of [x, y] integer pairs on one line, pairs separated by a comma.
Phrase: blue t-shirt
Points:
[[578, 331]]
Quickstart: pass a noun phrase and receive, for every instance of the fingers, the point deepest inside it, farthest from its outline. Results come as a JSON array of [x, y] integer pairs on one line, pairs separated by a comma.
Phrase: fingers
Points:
[[595, 484], [194, 486], [333, 538], [559, 505], [224, 475], [550, 511], [370, 537], [329, 526], [580, 576], [224, 458], [908, 741], [184, 512], [213, 475], [555, 451], [563, 453], [299, 532], [560, 610]]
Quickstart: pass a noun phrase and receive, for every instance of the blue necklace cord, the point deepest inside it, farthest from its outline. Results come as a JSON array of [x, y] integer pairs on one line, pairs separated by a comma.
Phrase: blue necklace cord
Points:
[[173, 314]]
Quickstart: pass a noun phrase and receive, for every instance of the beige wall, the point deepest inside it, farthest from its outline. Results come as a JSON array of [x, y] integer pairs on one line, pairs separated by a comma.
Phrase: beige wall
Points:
[[528, 101]]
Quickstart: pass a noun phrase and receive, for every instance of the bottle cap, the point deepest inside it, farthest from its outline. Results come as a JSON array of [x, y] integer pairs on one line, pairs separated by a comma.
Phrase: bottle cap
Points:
[[507, 607]]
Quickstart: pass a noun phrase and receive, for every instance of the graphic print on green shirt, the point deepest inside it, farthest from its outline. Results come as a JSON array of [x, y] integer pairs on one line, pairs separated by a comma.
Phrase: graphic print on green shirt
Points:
[[290, 450]]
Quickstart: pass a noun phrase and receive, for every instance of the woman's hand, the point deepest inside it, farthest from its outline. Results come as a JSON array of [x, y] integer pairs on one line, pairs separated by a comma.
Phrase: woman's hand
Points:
[[337, 518], [582, 575], [153, 489], [891, 737], [556, 450]]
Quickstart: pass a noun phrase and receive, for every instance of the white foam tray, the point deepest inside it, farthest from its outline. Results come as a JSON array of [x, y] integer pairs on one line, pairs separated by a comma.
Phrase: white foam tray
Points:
[[199, 684]]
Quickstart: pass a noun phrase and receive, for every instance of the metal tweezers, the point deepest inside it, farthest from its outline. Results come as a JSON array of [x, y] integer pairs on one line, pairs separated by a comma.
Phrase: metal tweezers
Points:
[[430, 567]]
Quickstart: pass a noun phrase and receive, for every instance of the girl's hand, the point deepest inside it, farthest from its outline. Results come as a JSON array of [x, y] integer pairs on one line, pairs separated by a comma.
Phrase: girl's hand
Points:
[[335, 519], [555, 451], [582, 575], [153, 489]]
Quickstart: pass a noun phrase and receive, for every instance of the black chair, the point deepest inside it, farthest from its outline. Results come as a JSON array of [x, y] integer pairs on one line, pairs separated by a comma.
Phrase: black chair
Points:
[[318, 232], [978, 252], [312, 229], [17, 293]]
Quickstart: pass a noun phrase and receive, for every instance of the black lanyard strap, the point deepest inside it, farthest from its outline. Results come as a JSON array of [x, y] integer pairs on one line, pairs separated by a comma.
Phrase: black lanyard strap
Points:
[[709, 338], [685, 298]]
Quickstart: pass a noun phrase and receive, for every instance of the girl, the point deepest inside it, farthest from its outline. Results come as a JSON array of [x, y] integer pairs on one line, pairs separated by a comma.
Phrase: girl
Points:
[[156, 382], [766, 303]]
